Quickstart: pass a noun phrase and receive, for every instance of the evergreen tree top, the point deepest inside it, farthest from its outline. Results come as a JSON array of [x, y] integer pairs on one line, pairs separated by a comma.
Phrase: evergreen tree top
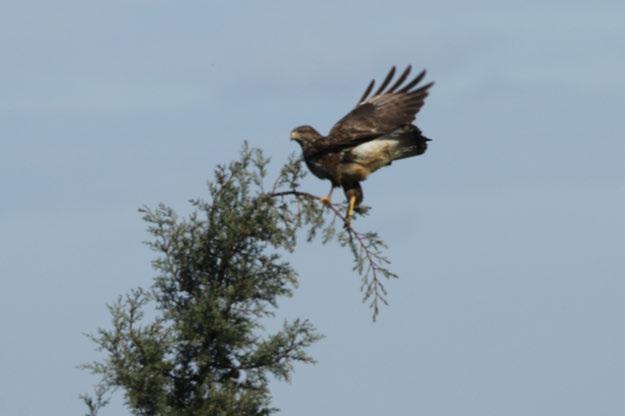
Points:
[[193, 343]]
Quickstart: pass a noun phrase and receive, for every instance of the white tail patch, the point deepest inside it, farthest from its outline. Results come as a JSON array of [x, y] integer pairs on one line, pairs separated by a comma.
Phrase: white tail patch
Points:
[[383, 146], [382, 151]]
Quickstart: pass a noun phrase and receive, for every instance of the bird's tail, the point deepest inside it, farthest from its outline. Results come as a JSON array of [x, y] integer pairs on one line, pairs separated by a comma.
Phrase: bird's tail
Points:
[[409, 142], [400, 144]]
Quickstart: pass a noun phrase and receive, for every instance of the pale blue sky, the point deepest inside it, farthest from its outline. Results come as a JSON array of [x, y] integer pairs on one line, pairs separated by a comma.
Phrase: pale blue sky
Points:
[[508, 235]]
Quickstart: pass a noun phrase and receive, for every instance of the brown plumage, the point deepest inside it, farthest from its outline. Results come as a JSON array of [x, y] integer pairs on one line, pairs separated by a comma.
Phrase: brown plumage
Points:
[[376, 132]]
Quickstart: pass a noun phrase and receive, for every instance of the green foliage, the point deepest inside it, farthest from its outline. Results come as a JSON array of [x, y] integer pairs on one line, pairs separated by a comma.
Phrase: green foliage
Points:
[[194, 343]]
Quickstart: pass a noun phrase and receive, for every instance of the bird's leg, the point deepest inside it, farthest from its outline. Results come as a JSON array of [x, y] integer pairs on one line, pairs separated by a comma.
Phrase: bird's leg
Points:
[[350, 211], [327, 200]]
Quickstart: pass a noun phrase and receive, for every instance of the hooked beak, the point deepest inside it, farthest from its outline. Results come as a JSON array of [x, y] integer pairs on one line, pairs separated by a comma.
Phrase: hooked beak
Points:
[[294, 135]]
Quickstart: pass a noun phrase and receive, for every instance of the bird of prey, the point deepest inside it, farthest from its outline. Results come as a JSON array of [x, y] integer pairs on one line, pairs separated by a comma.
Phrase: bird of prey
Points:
[[376, 132]]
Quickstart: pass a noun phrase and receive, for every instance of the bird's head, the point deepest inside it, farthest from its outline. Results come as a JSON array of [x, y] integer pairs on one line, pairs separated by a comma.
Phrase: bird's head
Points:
[[305, 135]]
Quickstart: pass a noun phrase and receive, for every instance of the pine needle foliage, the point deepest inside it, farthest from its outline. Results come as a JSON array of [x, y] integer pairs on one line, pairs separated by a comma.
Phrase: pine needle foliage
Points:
[[194, 343]]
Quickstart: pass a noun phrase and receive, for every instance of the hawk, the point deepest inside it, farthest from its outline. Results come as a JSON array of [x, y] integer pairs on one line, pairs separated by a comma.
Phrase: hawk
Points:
[[375, 133]]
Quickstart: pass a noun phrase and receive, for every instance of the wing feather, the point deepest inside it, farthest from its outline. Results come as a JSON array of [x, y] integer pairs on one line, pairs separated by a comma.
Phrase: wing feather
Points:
[[401, 79], [380, 114], [367, 91], [388, 79], [414, 82]]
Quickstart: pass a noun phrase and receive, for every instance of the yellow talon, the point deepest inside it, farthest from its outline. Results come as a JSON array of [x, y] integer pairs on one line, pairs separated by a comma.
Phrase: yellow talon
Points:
[[350, 210]]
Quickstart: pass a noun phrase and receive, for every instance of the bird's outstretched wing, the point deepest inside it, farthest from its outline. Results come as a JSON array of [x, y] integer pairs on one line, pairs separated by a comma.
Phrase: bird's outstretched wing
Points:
[[385, 111]]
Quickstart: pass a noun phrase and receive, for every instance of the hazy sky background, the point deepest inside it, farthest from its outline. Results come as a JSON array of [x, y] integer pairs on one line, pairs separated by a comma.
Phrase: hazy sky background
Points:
[[508, 235]]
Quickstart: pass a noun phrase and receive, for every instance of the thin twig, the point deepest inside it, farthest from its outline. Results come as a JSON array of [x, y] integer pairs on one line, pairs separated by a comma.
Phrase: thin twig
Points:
[[371, 275]]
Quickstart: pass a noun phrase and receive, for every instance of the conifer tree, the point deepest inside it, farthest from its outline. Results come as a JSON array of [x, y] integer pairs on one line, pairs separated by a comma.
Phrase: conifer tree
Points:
[[194, 343]]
